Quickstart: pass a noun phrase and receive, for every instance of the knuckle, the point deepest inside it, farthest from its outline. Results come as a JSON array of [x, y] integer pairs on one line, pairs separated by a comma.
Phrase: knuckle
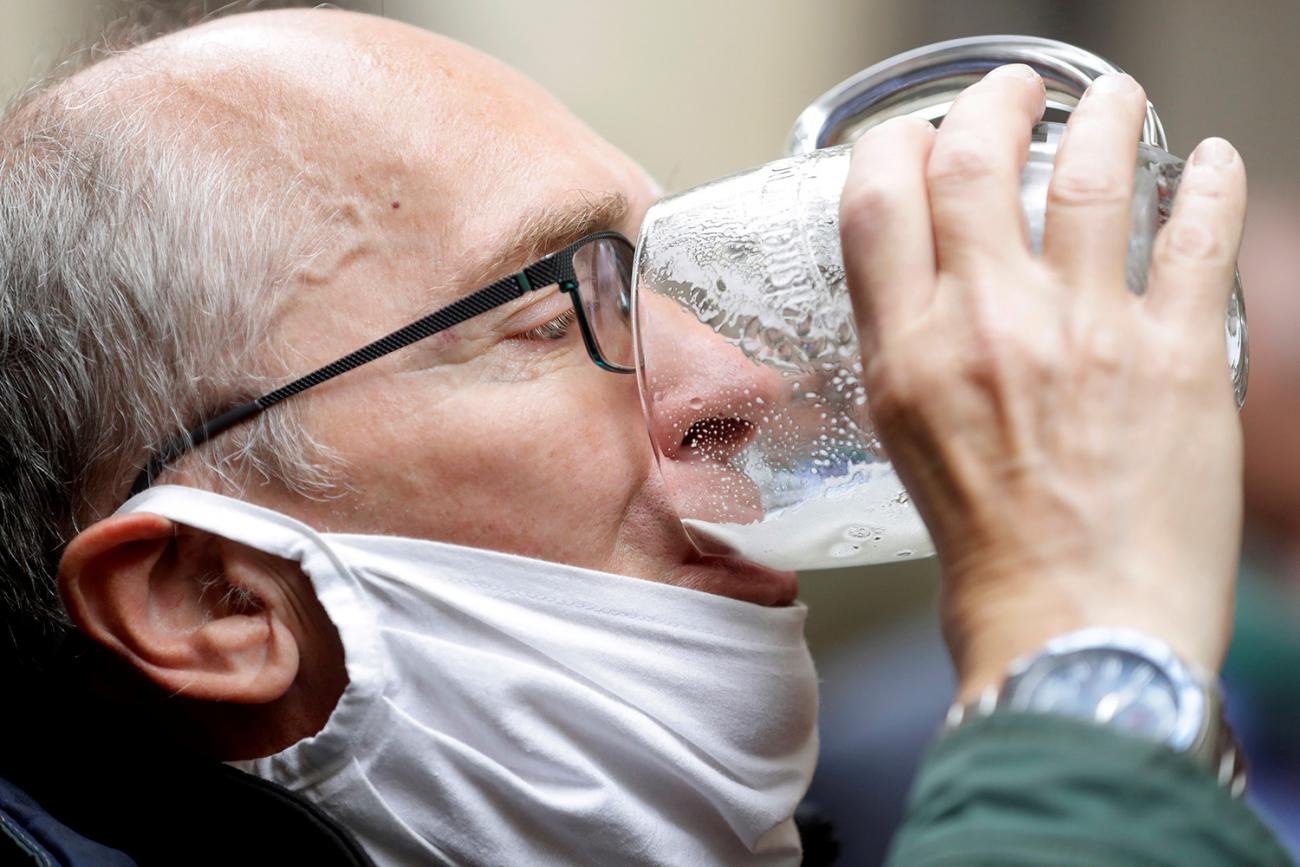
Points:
[[927, 371], [1185, 377], [1211, 184], [865, 207], [1103, 347], [899, 377], [1176, 361], [1085, 187], [960, 160], [982, 362], [888, 386], [1004, 351], [1186, 241], [994, 368], [888, 404], [1006, 359]]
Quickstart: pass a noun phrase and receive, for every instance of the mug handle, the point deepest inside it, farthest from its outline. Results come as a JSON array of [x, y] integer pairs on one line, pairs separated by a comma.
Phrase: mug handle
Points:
[[925, 81]]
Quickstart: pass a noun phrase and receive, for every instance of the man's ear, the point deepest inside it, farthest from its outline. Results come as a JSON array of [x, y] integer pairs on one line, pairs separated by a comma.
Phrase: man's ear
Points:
[[196, 614]]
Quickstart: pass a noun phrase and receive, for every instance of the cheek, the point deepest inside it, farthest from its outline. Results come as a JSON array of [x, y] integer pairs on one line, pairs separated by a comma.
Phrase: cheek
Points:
[[543, 468]]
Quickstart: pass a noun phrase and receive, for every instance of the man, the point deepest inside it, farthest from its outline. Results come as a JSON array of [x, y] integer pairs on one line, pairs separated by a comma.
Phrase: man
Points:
[[196, 223]]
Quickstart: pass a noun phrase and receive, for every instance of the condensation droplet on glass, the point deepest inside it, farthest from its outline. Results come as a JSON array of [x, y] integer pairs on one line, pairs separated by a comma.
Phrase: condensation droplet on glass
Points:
[[696, 403], [906, 552], [901, 498]]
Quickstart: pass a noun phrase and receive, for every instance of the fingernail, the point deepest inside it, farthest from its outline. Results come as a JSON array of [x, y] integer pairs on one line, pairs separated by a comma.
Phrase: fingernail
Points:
[[1014, 70], [1113, 82], [1214, 152]]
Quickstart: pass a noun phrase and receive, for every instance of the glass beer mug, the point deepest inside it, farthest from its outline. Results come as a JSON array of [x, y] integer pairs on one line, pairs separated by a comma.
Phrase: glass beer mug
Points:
[[748, 360]]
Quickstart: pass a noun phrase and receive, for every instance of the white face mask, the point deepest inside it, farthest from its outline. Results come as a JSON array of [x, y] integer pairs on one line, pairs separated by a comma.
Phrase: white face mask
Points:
[[503, 710]]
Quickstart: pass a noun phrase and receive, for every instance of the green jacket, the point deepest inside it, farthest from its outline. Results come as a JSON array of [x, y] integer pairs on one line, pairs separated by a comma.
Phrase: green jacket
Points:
[[1027, 789]]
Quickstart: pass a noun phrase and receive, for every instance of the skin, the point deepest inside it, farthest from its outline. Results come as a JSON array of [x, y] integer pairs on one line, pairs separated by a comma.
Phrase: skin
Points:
[[1042, 466], [1078, 463]]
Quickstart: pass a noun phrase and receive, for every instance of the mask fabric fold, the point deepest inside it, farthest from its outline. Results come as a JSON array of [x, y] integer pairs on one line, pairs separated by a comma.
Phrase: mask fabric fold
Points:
[[503, 710]]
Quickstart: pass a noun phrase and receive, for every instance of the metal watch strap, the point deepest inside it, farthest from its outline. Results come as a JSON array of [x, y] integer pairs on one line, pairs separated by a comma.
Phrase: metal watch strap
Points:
[[1216, 748]]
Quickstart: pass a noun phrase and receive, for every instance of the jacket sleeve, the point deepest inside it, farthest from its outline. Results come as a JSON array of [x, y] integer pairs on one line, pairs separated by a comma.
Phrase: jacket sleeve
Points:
[[1029, 789]]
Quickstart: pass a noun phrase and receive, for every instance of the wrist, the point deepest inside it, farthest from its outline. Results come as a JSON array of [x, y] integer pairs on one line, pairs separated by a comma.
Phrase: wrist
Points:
[[990, 620]]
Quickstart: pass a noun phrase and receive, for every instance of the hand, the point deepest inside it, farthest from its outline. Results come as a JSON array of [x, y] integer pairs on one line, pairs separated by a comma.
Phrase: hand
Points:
[[1074, 449]]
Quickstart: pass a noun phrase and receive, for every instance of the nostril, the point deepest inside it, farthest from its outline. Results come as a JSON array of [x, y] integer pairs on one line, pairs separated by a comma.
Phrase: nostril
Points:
[[716, 438]]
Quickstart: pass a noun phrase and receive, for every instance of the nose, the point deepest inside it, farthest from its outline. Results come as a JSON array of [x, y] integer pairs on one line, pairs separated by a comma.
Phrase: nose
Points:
[[706, 401]]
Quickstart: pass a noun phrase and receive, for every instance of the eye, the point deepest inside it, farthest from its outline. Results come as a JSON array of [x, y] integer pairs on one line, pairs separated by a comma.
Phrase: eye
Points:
[[556, 329]]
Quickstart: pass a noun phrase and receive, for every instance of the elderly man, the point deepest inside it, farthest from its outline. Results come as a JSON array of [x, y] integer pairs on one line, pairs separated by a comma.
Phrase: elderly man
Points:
[[433, 587]]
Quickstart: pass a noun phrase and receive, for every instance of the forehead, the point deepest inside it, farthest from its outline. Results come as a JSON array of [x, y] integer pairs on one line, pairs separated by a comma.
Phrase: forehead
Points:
[[428, 160], [370, 114]]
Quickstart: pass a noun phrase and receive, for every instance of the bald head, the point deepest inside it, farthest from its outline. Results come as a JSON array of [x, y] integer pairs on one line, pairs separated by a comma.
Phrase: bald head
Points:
[[359, 110], [393, 136]]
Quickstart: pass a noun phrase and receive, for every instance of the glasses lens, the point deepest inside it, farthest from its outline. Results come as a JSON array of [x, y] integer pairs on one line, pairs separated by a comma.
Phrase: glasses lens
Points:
[[604, 271]]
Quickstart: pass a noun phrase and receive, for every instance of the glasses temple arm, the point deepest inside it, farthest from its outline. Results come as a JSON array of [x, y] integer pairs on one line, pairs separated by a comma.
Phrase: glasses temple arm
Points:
[[550, 270]]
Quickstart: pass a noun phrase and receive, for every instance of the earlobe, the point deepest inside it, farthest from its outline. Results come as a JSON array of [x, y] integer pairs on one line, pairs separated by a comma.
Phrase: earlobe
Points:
[[195, 614]]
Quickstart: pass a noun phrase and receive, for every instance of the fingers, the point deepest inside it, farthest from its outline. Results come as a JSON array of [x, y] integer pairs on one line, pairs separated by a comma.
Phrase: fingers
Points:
[[885, 227], [974, 170], [1089, 200], [1194, 258]]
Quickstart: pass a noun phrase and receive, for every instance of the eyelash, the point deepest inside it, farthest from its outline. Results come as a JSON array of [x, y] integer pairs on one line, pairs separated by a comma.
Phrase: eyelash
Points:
[[556, 329]]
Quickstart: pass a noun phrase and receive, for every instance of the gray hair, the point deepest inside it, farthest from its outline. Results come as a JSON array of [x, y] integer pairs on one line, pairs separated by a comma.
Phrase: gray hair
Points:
[[140, 268]]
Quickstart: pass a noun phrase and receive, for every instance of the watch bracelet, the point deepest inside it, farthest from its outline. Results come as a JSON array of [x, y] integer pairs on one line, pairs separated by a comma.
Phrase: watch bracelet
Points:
[[1224, 758]]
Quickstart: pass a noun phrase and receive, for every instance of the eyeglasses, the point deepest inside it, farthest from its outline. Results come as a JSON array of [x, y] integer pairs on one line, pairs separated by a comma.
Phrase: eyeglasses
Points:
[[595, 271]]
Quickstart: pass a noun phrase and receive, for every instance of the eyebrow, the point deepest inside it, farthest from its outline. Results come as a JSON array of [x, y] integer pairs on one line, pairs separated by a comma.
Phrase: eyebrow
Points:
[[539, 233], [544, 232]]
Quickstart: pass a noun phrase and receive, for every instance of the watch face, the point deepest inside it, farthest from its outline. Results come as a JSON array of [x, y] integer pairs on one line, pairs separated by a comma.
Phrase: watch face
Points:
[[1110, 686]]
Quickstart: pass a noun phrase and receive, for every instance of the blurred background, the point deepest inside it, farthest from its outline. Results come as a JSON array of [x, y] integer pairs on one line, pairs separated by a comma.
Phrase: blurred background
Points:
[[696, 90]]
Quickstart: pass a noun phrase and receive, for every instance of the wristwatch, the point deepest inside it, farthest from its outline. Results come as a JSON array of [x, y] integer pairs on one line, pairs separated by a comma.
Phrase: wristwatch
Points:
[[1125, 680]]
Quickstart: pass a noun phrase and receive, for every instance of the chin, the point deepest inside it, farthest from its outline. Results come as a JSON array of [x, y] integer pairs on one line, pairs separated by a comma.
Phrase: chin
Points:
[[661, 551]]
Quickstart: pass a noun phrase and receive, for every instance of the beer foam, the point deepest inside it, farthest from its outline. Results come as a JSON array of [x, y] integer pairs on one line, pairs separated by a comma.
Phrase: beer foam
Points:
[[853, 525]]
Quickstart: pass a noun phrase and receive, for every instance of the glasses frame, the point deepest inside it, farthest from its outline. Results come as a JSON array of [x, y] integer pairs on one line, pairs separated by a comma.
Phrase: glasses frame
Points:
[[554, 268]]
